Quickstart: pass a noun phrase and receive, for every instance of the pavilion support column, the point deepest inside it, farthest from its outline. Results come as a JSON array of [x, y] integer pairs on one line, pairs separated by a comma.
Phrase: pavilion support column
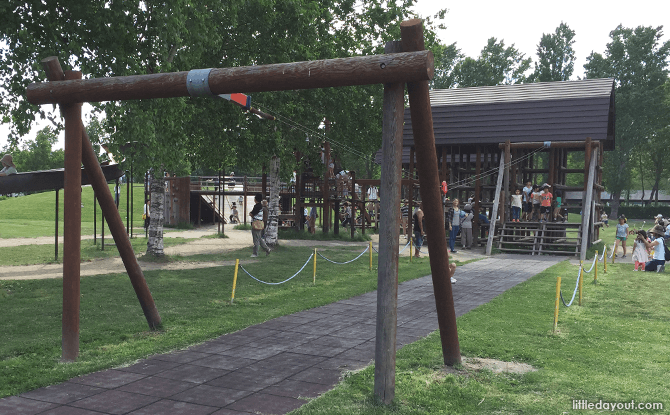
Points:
[[410, 193], [71, 228], [387, 270], [505, 211], [478, 194], [424, 142], [326, 185]]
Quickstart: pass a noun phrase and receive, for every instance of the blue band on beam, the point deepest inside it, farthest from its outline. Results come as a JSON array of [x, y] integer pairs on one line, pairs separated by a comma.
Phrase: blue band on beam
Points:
[[197, 83]]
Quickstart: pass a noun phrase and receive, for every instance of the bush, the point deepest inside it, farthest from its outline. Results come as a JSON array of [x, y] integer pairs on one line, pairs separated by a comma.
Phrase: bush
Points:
[[641, 212]]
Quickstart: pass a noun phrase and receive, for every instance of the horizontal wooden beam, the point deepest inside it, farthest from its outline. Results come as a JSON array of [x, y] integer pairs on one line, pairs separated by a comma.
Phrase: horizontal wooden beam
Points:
[[554, 144], [360, 70]]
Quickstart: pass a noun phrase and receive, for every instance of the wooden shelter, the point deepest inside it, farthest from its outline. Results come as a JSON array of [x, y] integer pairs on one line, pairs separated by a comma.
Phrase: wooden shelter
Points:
[[529, 132]]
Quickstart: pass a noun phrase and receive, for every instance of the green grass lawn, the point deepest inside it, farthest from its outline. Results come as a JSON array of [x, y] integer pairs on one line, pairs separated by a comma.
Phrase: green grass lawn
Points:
[[45, 254], [194, 306], [616, 347], [33, 215]]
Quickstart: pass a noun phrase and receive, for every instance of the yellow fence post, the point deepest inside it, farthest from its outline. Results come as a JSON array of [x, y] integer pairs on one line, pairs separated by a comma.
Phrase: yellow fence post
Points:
[[370, 249], [558, 296], [314, 276], [595, 276], [581, 278], [410, 249], [613, 253], [605, 260], [237, 265]]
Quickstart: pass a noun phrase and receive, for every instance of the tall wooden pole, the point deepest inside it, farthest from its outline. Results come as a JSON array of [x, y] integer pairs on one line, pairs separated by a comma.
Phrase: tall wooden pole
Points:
[[94, 171], [387, 274], [424, 142], [326, 184], [71, 227]]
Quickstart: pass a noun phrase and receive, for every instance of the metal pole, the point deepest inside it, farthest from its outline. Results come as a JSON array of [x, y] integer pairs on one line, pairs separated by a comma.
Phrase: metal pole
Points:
[[387, 260], [95, 219], [424, 143], [71, 228], [56, 255], [132, 200], [127, 204]]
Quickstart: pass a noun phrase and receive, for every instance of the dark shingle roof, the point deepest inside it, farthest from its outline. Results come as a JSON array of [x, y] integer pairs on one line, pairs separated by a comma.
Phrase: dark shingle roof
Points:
[[545, 111], [537, 112]]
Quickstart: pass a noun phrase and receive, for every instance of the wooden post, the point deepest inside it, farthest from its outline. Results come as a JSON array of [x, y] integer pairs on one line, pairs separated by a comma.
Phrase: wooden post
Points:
[[496, 201], [478, 194], [326, 185], [586, 207], [410, 193], [352, 175], [244, 189], [387, 259], [56, 243], [506, 190], [71, 227], [424, 142]]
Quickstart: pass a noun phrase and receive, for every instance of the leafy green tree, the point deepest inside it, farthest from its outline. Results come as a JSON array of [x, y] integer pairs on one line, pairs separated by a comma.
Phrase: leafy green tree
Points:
[[555, 55], [446, 59], [496, 65], [638, 61], [37, 154]]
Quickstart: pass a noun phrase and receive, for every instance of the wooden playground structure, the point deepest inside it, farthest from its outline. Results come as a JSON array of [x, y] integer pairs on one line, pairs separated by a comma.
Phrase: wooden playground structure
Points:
[[405, 63]]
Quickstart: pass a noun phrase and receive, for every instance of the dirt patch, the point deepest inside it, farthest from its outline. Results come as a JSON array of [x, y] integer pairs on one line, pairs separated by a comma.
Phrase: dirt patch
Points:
[[494, 365]]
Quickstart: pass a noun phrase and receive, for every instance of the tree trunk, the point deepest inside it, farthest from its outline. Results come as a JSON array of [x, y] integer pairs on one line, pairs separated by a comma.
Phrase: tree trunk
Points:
[[273, 206], [615, 205], [642, 180], [157, 188]]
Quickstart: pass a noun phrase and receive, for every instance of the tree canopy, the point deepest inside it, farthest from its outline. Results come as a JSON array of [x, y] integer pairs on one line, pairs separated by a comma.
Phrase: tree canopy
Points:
[[638, 61], [555, 55], [121, 38]]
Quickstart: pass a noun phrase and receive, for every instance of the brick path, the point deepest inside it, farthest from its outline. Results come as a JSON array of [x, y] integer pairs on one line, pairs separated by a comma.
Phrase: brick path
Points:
[[269, 368]]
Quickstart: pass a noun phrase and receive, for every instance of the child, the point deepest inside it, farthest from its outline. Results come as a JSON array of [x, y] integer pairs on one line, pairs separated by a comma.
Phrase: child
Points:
[[527, 203], [557, 207], [603, 219], [537, 198], [545, 201], [516, 205], [235, 216], [466, 227], [621, 235], [640, 254]]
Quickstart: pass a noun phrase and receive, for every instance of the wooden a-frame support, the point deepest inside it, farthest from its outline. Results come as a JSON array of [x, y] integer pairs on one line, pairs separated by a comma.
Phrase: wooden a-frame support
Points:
[[414, 67]]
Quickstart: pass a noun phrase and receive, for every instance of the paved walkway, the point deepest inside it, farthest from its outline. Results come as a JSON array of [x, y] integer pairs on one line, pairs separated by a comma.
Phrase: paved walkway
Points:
[[271, 367]]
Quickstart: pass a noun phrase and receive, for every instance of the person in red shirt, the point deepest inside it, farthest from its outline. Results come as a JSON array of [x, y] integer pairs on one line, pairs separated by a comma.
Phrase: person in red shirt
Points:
[[545, 204]]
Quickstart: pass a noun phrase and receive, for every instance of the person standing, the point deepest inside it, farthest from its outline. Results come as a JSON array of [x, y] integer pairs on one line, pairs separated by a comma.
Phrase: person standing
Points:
[[466, 227], [147, 214], [516, 205], [545, 204], [527, 202], [404, 216], [621, 235], [536, 197], [266, 215], [604, 219], [417, 217], [257, 226], [454, 223], [312, 220], [8, 167]]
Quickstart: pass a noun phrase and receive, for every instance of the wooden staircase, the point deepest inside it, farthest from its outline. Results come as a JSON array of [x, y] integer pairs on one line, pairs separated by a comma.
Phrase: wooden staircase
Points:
[[211, 203], [555, 238]]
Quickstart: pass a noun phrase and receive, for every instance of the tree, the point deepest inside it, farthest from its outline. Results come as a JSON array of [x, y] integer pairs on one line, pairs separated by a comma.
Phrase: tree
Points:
[[37, 154], [638, 62], [123, 38], [496, 65], [446, 59], [555, 55]]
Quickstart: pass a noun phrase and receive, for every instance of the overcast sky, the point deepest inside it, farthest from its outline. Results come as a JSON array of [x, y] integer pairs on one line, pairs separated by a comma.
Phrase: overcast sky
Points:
[[522, 23]]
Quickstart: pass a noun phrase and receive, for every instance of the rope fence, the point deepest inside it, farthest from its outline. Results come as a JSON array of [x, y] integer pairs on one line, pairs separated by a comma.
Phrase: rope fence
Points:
[[578, 284]]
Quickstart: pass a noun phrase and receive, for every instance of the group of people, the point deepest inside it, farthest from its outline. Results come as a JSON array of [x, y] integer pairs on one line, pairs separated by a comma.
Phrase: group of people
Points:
[[649, 247], [536, 203]]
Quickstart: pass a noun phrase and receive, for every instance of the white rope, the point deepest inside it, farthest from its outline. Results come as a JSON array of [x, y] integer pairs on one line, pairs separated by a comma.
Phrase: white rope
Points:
[[343, 263], [592, 265], [278, 283], [603, 255], [611, 254], [403, 250], [579, 275]]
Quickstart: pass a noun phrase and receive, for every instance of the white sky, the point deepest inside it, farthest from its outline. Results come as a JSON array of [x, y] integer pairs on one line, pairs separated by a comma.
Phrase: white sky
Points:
[[471, 23]]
